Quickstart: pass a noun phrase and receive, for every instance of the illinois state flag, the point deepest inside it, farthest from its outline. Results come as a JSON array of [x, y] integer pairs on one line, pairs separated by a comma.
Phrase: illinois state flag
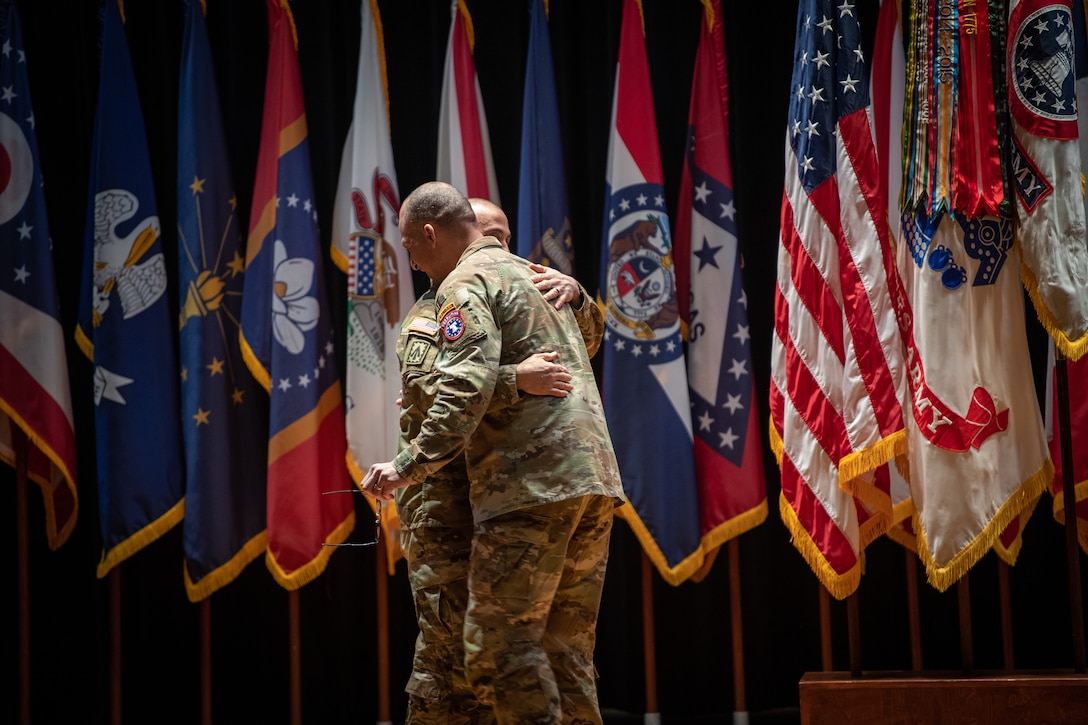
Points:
[[1047, 170], [644, 384], [34, 392], [366, 247], [464, 147], [837, 367], [125, 327], [288, 339], [728, 454], [224, 411], [544, 234]]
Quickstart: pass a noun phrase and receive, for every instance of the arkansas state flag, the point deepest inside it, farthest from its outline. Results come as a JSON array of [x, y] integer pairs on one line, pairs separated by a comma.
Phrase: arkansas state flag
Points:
[[644, 382], [837, 368], [125, 326], [728, 453], [544, 234], [366, 247], [1047, 172], [464, 147], [34, 393], [288, 339], [224, 411]]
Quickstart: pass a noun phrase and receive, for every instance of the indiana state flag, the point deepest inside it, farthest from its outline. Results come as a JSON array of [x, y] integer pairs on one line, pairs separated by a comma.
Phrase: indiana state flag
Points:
[[288, 339], [224, 411], [366, 247], [34, 392], [644, 381], [543, 225], [125, 327], [728, 452]]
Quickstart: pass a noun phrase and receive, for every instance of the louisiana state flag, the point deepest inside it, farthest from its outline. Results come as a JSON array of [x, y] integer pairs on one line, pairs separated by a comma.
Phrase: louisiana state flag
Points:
[[34, 392], [543, 224], [728, 452], [224, 412], [644, 382], [288, 340], [125, 327]]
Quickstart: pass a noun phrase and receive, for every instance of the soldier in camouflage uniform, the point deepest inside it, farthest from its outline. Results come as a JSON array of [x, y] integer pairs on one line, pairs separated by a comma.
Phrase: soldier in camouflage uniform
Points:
[[436, 520], [543, 478]]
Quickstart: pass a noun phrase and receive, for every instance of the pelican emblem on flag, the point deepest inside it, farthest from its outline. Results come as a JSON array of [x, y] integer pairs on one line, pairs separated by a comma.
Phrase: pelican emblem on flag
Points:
[[117, 259]]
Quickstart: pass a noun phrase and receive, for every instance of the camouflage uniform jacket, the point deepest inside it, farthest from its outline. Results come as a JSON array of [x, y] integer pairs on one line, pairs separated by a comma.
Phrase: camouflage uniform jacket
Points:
[[535, 449]]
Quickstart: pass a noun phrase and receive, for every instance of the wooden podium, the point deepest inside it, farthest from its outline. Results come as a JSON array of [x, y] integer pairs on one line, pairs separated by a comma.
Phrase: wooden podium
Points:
[[910, 698]]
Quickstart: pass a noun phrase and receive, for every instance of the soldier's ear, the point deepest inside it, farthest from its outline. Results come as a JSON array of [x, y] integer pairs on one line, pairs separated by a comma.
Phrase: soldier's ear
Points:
[[429, 234]]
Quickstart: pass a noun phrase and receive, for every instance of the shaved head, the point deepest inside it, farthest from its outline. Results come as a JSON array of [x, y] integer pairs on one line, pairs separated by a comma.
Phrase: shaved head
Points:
[[492, 221], [437, 203]]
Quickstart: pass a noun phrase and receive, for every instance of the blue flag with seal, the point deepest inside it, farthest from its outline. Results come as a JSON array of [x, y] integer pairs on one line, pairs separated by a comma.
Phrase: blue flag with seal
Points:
[[224, 412], [644, 384], [124, 325], [544, 234]]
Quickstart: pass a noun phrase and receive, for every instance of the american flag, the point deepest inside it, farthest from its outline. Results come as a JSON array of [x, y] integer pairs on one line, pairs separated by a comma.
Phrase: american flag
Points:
[[837, 359]]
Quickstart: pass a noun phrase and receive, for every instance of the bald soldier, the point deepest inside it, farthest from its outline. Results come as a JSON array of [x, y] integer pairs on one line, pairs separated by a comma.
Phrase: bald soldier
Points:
[[543, 478], [436, 519]]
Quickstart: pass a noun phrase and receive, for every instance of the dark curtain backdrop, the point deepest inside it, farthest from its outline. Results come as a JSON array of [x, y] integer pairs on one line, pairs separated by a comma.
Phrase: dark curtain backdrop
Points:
[[69, 629]]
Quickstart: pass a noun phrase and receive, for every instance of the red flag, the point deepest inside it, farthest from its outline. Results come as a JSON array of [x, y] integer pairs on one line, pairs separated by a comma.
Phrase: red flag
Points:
[[837, 369], [288, 338], [464, 148], [728, 455]]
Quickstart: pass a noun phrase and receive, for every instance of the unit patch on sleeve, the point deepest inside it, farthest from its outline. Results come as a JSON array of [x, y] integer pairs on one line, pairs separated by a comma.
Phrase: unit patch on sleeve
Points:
[[453, 325]]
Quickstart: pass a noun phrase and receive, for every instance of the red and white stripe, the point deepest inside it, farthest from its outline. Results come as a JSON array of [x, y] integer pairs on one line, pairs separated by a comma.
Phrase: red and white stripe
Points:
[[464, 147]]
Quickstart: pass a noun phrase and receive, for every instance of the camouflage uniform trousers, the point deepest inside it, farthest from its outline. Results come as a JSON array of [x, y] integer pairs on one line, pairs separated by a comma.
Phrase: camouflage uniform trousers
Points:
[[438, 692], [535, 579]]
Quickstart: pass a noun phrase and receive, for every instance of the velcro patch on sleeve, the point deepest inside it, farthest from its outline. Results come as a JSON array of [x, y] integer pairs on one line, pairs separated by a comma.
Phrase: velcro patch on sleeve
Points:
[[425, 325], [453, 325]]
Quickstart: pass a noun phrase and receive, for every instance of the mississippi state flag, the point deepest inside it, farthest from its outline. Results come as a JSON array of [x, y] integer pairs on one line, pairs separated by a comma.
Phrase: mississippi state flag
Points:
[[34, 393], [644, 384], [288, 339]]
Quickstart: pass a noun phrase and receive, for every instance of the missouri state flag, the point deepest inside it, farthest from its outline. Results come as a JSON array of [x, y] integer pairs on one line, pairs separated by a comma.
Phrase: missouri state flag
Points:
[[125, 326], [288, 336], [644, 384], [34, 392], [366, 247], [464, 146], [224, 412], [838, 372], [732, 494], [544, 233]]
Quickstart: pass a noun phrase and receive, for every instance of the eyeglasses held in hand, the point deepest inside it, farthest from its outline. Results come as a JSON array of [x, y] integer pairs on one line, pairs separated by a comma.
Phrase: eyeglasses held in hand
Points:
[[377, 522]]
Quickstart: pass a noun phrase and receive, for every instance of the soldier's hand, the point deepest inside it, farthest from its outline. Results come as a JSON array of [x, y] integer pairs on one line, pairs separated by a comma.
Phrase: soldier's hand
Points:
[[381, 480], [557, 288], [539, 374]]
